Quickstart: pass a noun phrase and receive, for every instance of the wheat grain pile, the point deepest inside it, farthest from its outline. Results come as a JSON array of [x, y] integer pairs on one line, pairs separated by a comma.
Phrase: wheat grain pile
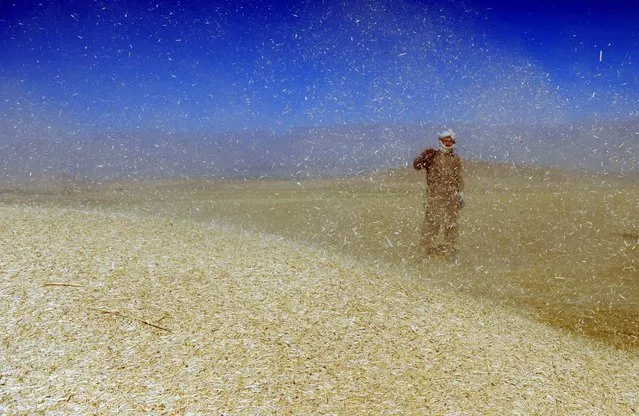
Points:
[[107, 313]]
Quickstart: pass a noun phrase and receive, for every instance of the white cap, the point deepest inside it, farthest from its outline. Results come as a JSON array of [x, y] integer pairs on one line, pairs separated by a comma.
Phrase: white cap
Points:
[[448, 133]]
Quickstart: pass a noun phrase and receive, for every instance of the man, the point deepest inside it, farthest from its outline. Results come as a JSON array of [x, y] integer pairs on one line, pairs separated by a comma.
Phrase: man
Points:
[[444, 198]]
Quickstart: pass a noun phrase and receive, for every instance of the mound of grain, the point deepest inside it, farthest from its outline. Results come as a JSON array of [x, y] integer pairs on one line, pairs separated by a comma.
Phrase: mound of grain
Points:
[[108, 313]]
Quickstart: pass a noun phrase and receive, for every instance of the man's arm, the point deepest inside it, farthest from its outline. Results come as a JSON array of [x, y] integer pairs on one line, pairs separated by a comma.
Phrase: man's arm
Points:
[[459, 177], [423, 160]]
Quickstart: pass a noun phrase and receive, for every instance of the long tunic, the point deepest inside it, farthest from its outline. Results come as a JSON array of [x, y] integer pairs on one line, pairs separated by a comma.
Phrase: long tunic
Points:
[[443, 174]]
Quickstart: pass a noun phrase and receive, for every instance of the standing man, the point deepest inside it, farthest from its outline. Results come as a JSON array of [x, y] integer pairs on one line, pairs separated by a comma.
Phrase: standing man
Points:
[[444, 198]]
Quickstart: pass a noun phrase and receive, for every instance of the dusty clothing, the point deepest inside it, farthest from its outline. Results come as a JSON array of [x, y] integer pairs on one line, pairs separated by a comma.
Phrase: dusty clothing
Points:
[[445, 183]]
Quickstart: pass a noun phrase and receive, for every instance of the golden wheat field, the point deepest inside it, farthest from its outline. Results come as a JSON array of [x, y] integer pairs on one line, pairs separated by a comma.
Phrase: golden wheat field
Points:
[[563, 244], [247, 297]]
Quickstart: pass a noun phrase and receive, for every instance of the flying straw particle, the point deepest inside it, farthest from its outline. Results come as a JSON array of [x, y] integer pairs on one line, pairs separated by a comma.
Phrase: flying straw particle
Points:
[[600, 55]]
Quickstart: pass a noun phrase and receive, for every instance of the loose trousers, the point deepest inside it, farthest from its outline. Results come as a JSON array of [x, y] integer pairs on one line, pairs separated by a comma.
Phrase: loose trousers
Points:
[[441, 215]]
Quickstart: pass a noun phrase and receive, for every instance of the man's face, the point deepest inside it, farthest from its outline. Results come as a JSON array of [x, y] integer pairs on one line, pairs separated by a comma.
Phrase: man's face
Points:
[[447, 141]]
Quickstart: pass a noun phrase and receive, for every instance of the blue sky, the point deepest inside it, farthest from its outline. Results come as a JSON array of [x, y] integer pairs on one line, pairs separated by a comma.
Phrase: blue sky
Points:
[[105, 66]]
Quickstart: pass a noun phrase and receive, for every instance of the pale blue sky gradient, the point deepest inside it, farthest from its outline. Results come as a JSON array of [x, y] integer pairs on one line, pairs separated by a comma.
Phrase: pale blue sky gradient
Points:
[[102, 66]]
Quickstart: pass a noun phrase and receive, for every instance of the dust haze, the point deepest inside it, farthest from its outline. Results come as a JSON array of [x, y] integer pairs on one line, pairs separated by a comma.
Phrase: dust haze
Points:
[[382, 79]]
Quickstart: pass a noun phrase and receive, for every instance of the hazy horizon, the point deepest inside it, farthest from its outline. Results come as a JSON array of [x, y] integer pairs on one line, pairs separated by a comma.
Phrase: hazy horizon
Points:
[[316, 152]]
